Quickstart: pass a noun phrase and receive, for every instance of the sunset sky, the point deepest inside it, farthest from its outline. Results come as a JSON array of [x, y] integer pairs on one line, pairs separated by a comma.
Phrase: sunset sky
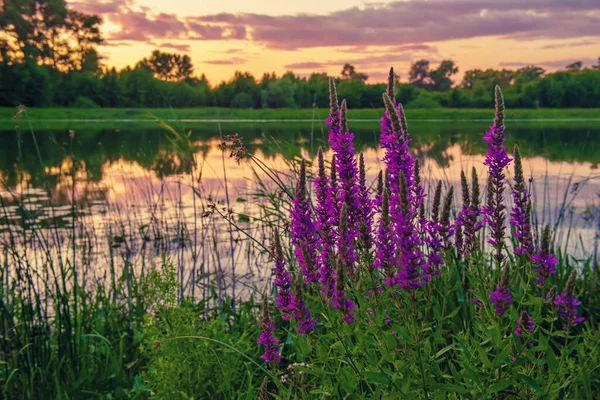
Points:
[[321, 35]]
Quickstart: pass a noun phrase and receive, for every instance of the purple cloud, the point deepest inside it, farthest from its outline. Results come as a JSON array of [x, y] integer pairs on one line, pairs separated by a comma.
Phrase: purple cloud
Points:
[[406, 25], [176, 46], [229, 61], [305, 65]]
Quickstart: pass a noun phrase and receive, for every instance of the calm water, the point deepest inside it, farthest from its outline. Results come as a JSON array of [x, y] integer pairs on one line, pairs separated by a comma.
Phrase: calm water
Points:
[[125, 195]]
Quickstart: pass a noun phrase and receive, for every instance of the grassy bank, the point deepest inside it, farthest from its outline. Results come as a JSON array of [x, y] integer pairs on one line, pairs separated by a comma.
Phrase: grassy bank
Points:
[[215, 113]]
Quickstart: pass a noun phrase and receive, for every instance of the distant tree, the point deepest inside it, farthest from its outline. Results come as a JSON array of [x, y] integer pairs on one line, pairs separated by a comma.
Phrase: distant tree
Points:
[[489, 78], [349, 72], [48, 32], [530, 73], [575, 66], [597, 66], [168, 66], [440, 77], [419, 74]]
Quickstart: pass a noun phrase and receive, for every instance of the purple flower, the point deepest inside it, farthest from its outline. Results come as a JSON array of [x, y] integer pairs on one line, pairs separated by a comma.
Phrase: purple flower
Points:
[[385, 243], [496, 160], [266, 337], [302, 230], [339, 300], [467, 222], [477, 302], [412, 262], [325, 210], [301, 313], [501, 297], [283, 281], [566, 305], [365, 210], [520, 216], [543, 261], [524, 321], [395, 140]]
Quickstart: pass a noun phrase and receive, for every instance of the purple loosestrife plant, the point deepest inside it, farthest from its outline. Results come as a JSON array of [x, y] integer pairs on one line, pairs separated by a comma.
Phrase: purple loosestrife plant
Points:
[[566, 304], [445, 230], [365, 217], [544, 262], [496, 160], [385, 243], [325, 210], [468, 220], [520, 216], [349, 197], [501, 298], [395, 140], [283, 281], [413, 269], [433, 238], [339, 300], [266, 338], [301, 313], [524, 321], [303, 229]]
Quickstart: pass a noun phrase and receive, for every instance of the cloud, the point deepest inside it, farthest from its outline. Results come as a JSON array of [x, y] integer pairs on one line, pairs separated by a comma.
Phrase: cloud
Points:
[[176, 46], [417, 22], [229, 61], [407, 25], [553, 64], [570, 44], [305, 65]]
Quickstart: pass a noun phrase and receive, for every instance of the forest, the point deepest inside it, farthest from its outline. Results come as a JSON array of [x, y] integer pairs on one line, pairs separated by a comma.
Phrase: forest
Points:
[[54, 61]]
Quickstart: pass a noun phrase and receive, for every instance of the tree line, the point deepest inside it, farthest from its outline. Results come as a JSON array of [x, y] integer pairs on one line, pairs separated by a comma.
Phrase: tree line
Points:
[[48, 57]]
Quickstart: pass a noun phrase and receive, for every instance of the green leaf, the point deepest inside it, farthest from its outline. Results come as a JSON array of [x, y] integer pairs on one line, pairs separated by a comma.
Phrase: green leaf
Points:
[[348, 381], [453, 313], [502, 356], [500, 385], [532, 383], [444, 350], [484, 357], [390, 340], [450, 388], [376, 377]]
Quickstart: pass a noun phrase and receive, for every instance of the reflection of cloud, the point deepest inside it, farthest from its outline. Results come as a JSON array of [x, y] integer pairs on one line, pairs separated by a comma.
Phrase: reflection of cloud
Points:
[[398, 23]]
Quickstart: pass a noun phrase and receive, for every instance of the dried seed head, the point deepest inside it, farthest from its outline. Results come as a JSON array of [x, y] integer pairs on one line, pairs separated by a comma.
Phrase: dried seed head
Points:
[[465, 190], [571, 283], [390, 85]]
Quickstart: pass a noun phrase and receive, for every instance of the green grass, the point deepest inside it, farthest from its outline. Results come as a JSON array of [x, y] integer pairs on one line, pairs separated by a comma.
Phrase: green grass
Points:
[[103, 114]]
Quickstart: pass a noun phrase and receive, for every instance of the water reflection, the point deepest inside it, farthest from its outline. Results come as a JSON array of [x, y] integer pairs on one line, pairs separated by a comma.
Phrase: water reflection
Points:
[[123, 196]]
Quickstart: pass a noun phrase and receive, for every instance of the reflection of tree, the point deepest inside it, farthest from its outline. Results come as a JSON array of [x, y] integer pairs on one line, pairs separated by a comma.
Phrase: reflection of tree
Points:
[[150, 148]]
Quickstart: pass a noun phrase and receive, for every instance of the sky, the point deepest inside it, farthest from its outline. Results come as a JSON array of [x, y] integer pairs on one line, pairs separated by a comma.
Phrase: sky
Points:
[[322, 35]]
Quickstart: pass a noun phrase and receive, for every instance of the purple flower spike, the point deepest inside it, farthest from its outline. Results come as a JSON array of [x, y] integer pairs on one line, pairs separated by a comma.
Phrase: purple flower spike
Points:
[[501, 297], [301, 313], [339, 300], [412, 262], [520, 216], [325, 210], [342, 144], [496, 160], [266, 337], [544, 262], [385, 244], [283, 281], [395, 141], [365, 217], [524, 321], [302, 230], [566, 304]]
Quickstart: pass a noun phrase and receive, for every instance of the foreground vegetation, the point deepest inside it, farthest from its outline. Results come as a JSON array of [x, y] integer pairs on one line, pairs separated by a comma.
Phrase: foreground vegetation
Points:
[[379, 292]]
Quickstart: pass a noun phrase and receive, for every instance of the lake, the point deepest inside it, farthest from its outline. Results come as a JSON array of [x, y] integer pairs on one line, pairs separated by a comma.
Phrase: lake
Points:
[[114, 197]]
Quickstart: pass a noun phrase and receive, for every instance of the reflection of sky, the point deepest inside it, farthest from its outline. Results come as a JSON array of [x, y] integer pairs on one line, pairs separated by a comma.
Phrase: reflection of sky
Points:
[[132, 201]]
